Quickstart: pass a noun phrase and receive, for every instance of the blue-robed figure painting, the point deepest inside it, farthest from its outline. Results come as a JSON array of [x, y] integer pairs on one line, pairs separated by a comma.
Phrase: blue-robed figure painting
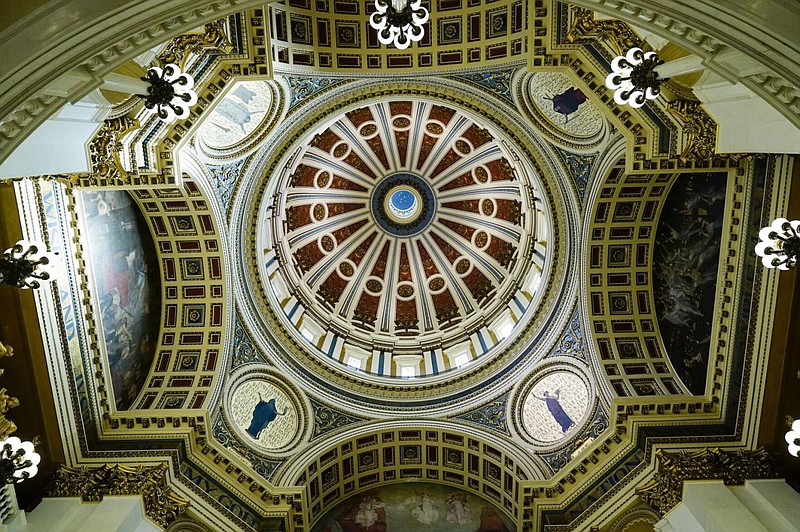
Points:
[[264, 413], [555, 408]]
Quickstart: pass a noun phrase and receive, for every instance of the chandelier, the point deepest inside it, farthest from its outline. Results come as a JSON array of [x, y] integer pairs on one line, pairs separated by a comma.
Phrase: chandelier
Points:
[[780, 244], [633, 77], [23, 265], [170, 93], [18, 460], [399, 21]]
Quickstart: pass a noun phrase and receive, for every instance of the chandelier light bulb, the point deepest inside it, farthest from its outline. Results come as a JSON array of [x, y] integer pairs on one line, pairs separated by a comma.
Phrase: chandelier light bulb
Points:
[[399, 22], [779, 245], [170, 94], [633, 77]]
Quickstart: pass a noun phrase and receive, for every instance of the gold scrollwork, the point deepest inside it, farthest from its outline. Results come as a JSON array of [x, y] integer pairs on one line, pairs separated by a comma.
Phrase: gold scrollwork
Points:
[[104, 152], [617, 34], [161, 505], [663, 493], [212, 41]]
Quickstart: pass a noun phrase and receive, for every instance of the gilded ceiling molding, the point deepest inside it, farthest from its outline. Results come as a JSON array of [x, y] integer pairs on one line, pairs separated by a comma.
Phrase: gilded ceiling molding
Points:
[[104, 150], [91, 484], [700, 131], [586, 28], [7, 427], [664, 492], [212, 40]]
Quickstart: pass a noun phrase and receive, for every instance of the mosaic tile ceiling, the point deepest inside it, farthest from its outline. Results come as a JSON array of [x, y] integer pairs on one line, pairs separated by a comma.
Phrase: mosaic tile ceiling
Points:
[[407, 241]]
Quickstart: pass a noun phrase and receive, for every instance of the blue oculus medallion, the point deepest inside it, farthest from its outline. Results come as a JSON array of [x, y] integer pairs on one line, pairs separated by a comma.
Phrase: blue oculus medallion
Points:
[[403, 204]]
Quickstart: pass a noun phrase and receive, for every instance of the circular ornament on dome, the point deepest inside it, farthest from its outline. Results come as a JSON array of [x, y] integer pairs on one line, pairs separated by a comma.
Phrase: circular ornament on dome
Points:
[[265, 413], [554, 405], [403, 204]]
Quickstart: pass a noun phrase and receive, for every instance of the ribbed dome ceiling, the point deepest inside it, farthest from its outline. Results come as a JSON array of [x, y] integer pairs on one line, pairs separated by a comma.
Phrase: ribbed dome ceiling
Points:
[[398, 229]]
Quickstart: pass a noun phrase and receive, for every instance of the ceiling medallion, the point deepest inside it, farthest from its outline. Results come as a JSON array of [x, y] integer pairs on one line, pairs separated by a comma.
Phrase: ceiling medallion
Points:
[[403, 204], [405, 240]]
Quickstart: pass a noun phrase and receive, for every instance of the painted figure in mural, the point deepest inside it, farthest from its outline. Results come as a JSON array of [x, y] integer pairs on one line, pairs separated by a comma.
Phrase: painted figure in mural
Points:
[[491, 521], [367, 514], [234, 111], [264, 413], [243, 93], [561, 417], [457, 510], [423, 510], [568, 101]]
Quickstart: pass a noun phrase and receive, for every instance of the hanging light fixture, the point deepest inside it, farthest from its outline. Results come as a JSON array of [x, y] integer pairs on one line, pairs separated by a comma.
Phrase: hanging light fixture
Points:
[[633, 77], [170, 92], [792, 436], [25, 264], [780, 244], [18, 460], [399, 21]]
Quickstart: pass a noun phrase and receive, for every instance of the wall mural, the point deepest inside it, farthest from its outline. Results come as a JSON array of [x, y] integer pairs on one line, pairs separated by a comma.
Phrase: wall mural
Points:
[[124, 267], [555, 406], [414, 506], [237, 115], [566, 106], [685, 263], [264, 413]]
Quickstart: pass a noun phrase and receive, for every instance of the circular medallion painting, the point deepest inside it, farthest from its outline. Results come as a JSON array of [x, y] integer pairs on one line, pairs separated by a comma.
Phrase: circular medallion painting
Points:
[[555, 406], [564, 104], [266, 417]]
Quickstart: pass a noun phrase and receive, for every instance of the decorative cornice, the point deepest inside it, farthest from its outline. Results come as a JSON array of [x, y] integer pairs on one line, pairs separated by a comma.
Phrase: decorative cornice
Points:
[[212, 40], [104, 150], [618, 34], [664, 492], [7, 427], [161, 505]]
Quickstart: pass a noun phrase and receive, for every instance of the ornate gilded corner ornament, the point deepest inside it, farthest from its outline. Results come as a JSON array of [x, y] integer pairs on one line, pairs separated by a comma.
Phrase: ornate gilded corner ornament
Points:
[[105, 148], [779, 248], [634, 78], [700, 128], [399, 22], [169, 95], [161, 505], [663, 493], [615, 32], [25, 263], [212, 40]]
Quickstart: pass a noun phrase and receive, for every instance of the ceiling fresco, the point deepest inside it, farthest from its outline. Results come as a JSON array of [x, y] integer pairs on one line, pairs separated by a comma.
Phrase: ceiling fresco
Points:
[[438, 301]]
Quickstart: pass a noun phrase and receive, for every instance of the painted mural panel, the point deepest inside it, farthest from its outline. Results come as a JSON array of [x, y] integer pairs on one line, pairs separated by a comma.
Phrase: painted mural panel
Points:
[[565, 105], [415, 506], [265, 413], [555, 405], [237, 115], [685, 263], [124, 268]]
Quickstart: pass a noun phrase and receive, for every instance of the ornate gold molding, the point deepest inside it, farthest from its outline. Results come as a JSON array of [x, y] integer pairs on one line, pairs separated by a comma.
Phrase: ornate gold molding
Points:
[[212, 40], [104, 151], [616, 33], [161, 505], [664, 492], [701, 132], [7, 427]]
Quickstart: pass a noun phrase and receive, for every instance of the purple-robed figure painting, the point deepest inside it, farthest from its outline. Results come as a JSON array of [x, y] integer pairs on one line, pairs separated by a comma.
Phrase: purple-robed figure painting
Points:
[[561, 417], [568, 101]]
